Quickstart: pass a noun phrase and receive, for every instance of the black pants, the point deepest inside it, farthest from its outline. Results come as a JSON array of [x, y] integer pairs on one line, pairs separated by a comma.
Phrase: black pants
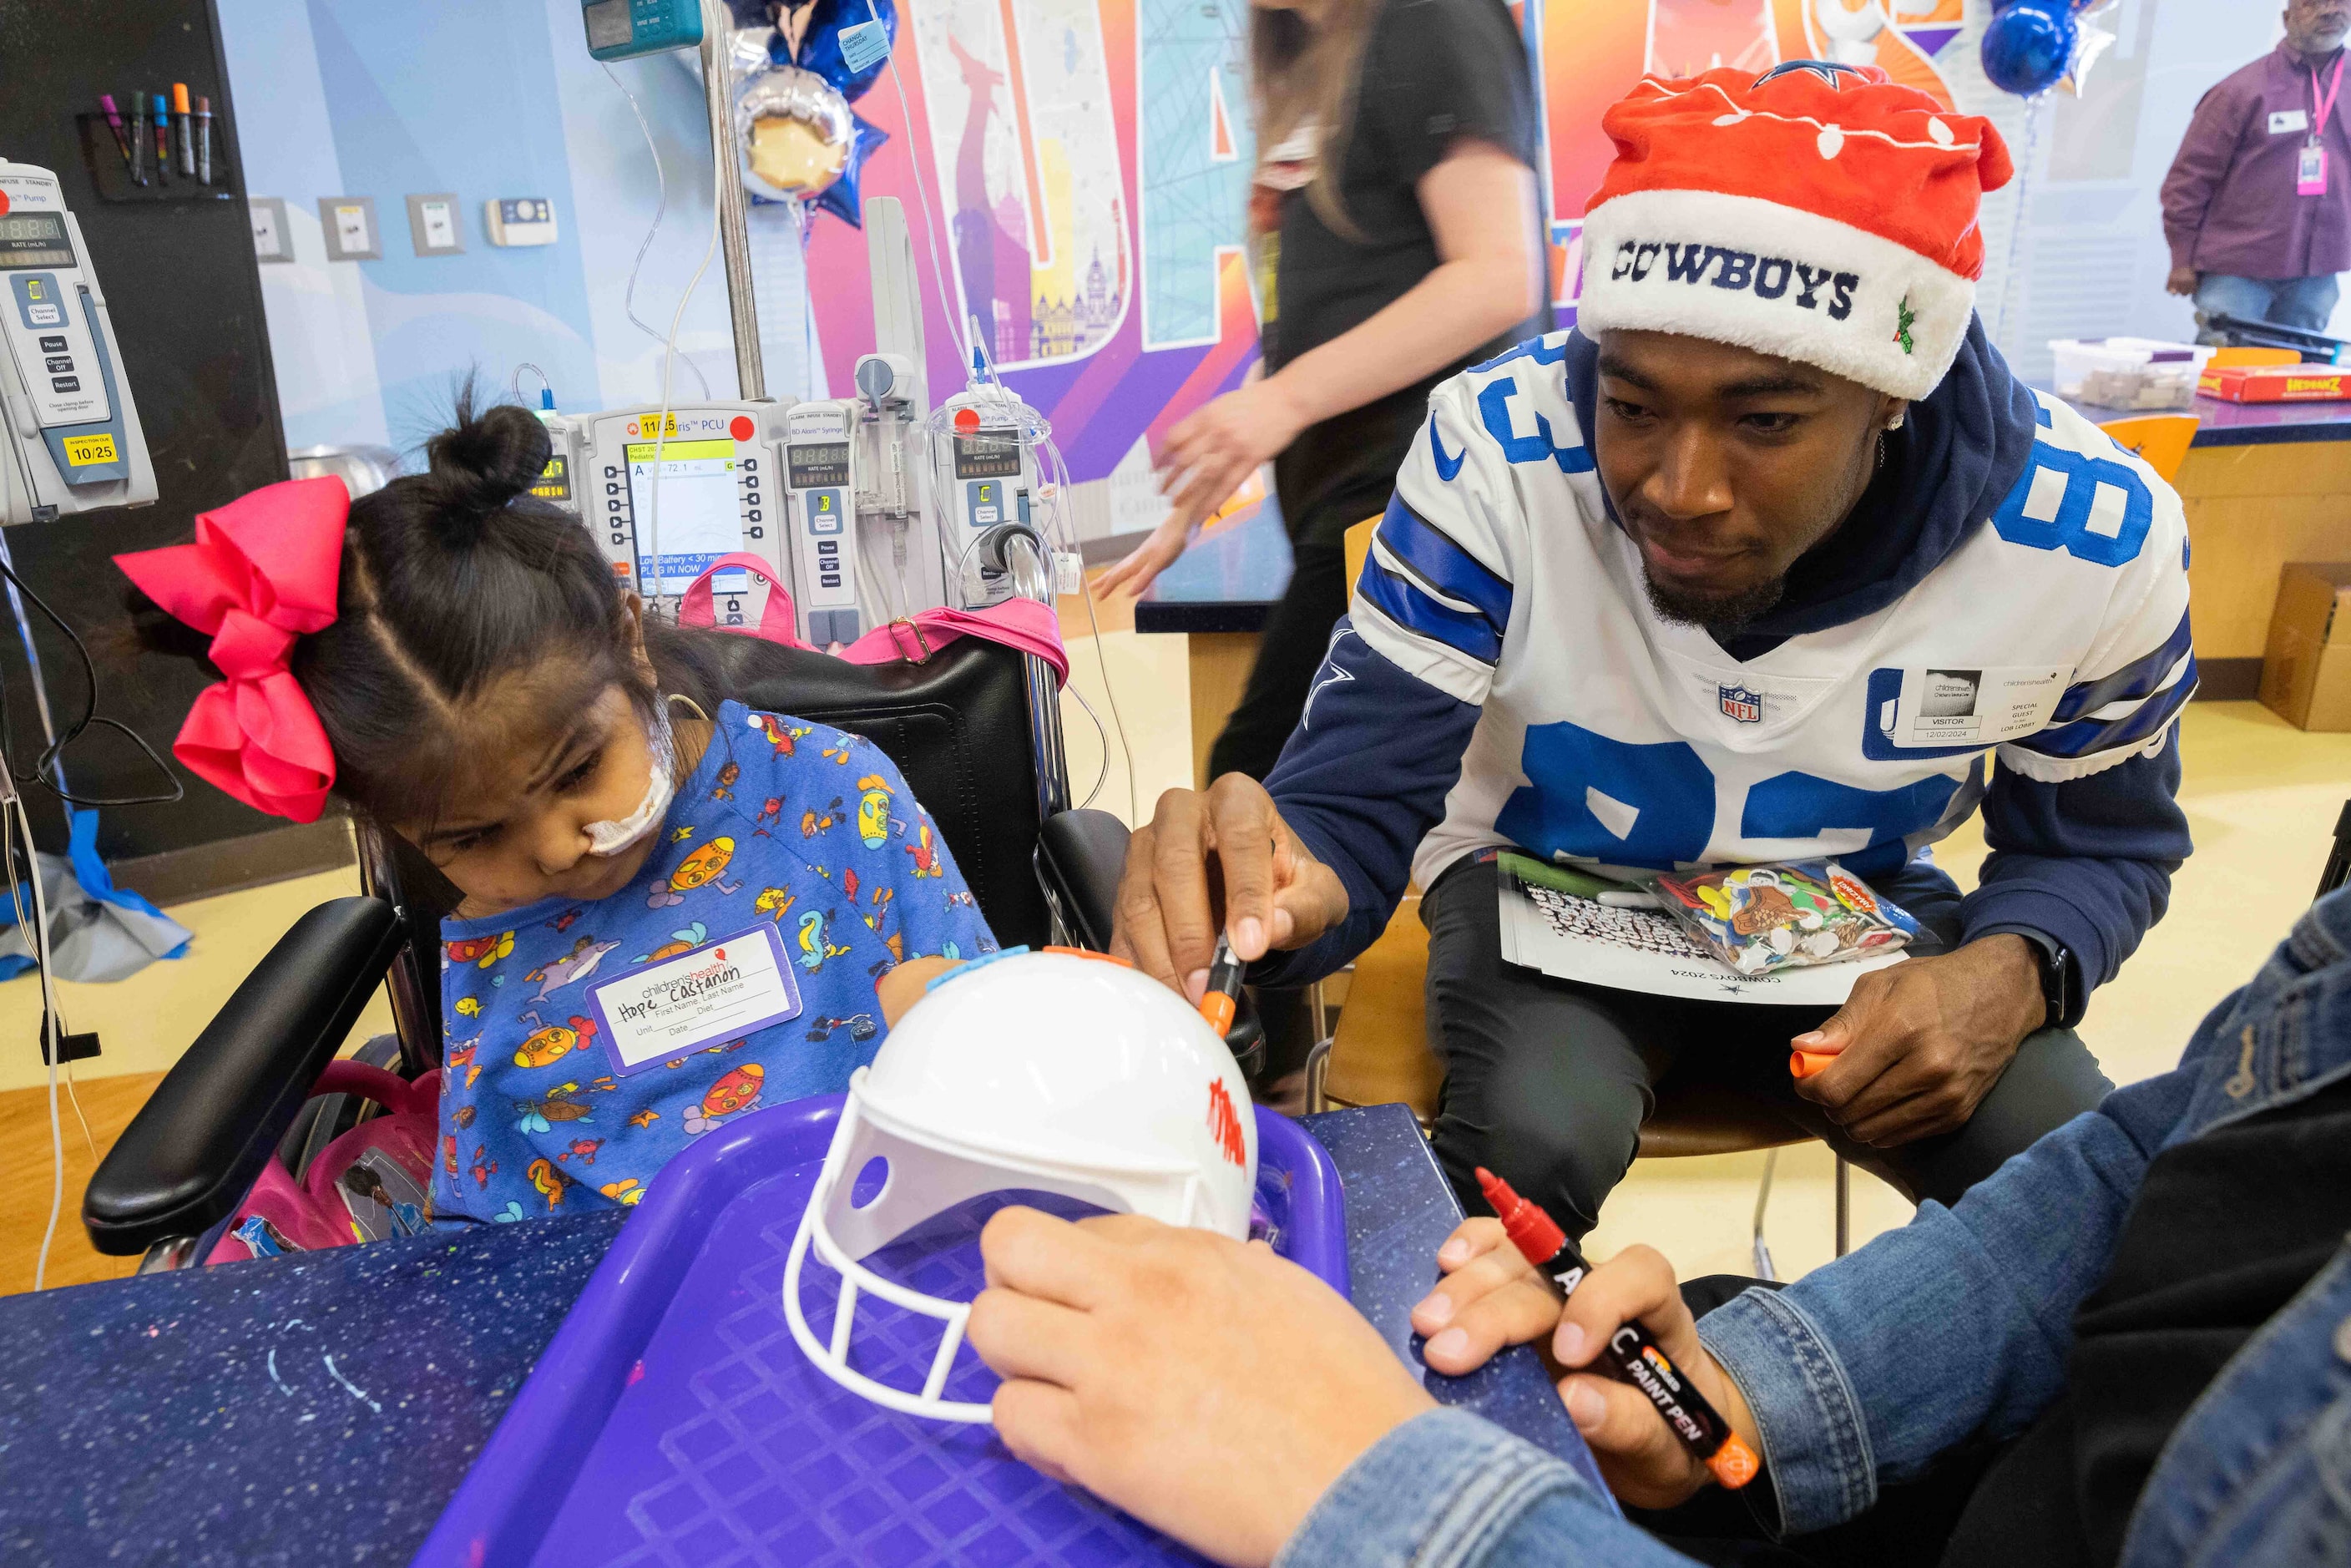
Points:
[[1548, 1082], [1297, 634]]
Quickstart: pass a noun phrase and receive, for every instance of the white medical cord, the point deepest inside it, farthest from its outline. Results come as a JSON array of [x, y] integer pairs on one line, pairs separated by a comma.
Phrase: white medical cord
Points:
[[74, 1100], [661, 208], [921, 191], [37, 942], [711, 13]]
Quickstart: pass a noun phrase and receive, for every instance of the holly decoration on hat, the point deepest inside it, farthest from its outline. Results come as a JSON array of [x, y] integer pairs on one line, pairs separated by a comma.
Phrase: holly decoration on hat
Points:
[[1905, 316]]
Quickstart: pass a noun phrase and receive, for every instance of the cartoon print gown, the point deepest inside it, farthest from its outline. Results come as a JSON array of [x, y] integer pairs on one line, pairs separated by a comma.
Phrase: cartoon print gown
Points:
[[797, 825]]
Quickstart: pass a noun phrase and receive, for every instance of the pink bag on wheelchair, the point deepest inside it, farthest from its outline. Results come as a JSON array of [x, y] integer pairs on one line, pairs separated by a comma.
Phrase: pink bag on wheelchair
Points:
[[1021, 623], [370, 1182]]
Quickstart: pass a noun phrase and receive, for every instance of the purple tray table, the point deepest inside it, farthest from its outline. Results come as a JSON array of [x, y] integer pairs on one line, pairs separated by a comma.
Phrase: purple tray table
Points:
[[674, 1420]]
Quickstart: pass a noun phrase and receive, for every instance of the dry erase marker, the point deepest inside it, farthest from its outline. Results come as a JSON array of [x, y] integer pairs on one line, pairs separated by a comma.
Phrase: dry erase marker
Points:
[[1222, 997], [186, 128], [139, 138], [163, 114], [1630, 1351], [114, 123], [204, 140]]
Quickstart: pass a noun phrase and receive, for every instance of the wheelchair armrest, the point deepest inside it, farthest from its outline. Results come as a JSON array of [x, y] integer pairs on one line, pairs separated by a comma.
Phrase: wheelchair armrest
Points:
[[1080, 855], [192, 1152]]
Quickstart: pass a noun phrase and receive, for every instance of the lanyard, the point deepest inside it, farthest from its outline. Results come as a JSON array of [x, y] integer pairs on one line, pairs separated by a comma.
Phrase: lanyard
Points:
[[2322, 107]]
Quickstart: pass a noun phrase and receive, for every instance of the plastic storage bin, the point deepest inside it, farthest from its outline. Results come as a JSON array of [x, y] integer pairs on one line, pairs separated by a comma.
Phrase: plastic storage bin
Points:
[[2139, 374]]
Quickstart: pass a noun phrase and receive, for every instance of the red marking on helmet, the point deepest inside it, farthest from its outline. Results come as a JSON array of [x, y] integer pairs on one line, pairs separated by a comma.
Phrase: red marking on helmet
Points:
[[1225, 1124], [740, 427], [966, 419]]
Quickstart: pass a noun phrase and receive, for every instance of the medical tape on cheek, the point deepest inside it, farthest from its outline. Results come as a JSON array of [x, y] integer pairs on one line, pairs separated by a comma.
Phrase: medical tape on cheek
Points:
[[611, 838]]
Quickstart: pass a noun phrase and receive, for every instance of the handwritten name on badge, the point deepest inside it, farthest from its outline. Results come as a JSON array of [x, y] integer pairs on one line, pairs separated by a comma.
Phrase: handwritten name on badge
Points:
[[718, 992]]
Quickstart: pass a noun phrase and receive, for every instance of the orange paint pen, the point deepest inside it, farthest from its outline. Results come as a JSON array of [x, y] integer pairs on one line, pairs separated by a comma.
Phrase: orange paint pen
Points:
[[1222, 998], [1804, 1063], [1630, 1353]]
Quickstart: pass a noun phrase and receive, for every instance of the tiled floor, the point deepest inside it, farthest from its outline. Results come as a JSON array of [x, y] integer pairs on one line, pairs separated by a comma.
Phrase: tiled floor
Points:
[[2261, 796]]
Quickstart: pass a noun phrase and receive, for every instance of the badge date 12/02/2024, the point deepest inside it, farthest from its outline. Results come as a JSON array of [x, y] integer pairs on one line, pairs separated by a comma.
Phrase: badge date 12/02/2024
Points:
[[1976, 706]]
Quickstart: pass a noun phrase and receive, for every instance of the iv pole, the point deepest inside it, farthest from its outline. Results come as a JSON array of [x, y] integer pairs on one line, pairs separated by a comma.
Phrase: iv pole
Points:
[[734, 227]]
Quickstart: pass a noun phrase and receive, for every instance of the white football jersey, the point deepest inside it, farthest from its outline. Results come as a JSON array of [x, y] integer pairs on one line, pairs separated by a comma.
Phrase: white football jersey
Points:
[[2055, 638]]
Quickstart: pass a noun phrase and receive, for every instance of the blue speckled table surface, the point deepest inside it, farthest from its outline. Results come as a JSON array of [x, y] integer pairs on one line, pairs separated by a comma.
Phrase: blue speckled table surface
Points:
[[321, 1408]]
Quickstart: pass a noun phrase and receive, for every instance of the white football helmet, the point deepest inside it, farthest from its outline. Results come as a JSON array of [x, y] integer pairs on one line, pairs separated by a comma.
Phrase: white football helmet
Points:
[[1055, 1072]]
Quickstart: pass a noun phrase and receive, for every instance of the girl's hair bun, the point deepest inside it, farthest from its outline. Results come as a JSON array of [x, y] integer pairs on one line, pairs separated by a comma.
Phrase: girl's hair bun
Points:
[[481, 463]]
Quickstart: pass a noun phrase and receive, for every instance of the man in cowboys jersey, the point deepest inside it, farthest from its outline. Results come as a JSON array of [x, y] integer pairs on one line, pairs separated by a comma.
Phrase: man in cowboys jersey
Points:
[[1770, 558]]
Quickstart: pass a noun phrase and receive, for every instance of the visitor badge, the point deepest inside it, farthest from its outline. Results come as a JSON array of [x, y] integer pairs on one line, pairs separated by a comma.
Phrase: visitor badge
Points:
[[2288, 120], [713, 995], [2310, 172], [1955, 706]]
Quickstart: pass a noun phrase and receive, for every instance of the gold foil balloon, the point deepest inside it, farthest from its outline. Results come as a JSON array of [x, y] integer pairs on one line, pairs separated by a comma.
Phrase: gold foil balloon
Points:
[[797, 133]]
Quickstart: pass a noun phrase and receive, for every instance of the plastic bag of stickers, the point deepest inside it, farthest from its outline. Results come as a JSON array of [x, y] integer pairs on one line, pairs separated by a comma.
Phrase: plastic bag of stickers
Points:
[[1761, 918]]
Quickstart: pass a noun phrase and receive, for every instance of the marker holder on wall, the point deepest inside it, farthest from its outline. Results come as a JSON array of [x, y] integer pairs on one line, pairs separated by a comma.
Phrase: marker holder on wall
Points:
[[111, 177]]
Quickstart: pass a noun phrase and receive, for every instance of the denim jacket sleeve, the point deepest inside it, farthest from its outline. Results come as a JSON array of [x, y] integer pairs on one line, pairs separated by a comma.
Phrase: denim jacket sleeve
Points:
[[1958, 1324], [1448, 1489]]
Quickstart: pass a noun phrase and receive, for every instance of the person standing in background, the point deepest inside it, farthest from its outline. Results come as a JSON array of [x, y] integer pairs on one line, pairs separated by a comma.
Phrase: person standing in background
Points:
[[1397, 239], [2257, 207]]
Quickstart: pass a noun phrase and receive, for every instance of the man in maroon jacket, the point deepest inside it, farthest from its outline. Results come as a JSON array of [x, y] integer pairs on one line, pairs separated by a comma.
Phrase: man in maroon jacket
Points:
[[2257, 206]]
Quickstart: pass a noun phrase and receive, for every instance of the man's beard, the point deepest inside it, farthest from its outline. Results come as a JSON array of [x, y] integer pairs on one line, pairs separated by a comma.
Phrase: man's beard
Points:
[[1717, 615]]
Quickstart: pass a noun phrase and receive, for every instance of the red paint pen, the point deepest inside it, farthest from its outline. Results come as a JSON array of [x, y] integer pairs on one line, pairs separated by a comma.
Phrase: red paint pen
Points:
[[1634, 1355], [1221, 999]]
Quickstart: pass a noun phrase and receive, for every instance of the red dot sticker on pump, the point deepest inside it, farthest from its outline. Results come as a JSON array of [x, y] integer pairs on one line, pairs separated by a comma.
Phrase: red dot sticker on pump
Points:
[[3, 201], [741, 428], [966, 419]]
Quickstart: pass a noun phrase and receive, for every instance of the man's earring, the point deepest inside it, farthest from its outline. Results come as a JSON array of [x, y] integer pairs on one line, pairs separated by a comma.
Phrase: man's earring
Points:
[[1895, 422]]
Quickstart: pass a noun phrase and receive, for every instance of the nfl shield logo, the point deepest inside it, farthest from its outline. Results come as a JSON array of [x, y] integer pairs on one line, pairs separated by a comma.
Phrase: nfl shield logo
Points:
[[1742, 705]]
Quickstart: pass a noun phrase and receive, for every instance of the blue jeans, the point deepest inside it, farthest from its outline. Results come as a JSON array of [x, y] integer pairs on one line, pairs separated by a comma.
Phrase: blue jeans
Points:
[[2303, 302], [1869, 1370]]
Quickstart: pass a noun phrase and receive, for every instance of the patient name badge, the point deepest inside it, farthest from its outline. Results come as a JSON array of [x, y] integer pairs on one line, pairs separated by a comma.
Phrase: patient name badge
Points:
[[2282, 120], [1956, 707], [716, 994], [2310, 171]]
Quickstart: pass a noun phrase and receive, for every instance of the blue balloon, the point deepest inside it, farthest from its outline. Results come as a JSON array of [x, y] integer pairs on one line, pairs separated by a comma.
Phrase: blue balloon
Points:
[[820, 45], [841, 198], [2029, 46]]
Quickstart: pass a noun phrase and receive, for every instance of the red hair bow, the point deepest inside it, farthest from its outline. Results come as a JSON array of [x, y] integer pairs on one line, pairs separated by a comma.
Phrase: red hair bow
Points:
[[262, 571]]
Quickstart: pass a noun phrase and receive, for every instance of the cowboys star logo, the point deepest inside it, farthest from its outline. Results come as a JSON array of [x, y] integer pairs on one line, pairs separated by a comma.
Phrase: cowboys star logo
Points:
[[1741, 703]]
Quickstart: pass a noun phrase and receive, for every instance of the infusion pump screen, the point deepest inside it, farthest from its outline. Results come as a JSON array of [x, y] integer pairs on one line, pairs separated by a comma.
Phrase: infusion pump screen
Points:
[[990, 454], [34, 239], [811, 465], [700, 517], [554, 480]]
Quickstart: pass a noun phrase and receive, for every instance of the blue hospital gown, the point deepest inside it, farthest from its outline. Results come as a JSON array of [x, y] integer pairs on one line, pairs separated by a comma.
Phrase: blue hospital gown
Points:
[[799, 824]]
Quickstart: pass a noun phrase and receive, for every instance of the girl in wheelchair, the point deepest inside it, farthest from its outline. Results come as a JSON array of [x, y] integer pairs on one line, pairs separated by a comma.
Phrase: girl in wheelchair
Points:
[[667, 905]]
